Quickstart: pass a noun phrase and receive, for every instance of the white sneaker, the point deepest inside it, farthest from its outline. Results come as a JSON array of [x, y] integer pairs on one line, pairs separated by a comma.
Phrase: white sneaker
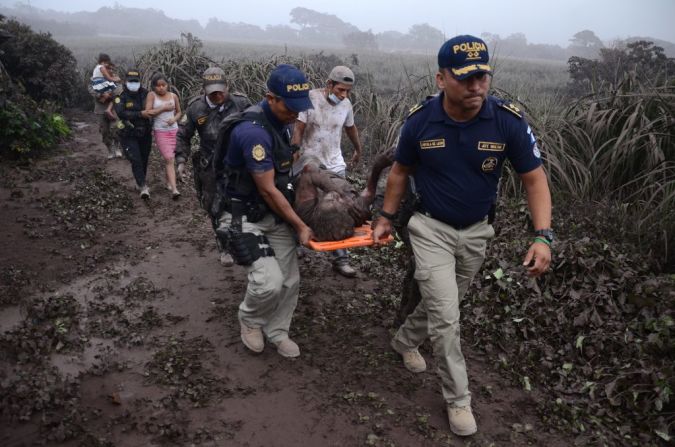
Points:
[[145, 192], [226, 259], [345, 270]]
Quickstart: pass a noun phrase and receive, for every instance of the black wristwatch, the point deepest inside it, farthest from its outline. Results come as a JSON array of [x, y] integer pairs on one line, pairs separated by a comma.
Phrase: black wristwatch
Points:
[[387, 215], [546, 233]]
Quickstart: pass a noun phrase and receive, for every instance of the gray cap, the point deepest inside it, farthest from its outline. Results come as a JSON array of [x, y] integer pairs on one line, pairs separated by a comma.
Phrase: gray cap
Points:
[[342, 75], [214, 80]]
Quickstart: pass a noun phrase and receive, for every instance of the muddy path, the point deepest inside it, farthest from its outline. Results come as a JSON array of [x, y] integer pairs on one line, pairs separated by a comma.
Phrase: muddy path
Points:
[[118, 328]]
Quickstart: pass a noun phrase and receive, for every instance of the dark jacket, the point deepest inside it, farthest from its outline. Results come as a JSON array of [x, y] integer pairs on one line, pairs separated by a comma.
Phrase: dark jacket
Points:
[[128, 107], [230, 171], [205, 121]]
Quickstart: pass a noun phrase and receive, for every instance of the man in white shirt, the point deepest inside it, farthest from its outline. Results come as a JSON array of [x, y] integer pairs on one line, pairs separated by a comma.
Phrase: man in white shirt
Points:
[[318, 132]]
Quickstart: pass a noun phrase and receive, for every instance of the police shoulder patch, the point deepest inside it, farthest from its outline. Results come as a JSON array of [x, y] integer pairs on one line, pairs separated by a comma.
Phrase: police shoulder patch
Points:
[[511, 108], [416, 108], [258, 152]]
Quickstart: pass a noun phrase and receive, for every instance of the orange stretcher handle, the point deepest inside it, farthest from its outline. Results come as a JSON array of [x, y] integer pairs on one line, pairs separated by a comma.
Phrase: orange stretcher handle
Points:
[[363, 237]]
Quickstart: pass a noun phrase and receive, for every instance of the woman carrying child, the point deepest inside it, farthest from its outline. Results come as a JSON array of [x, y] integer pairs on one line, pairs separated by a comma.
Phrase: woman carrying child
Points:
[[165, 124]]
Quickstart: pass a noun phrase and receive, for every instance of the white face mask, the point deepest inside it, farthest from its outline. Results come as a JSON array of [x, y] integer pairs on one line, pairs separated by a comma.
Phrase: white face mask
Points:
[[133, 86], [332, 97]]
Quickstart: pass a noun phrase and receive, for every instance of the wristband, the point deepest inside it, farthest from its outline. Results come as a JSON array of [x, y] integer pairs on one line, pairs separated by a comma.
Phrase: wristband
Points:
[[543, 240], [387, 215]]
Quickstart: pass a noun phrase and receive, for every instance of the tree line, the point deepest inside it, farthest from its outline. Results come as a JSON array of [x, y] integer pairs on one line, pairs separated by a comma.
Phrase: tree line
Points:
[[306, 27]]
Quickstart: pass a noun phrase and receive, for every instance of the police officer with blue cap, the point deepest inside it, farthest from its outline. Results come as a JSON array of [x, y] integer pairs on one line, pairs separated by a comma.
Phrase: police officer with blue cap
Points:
[[455, 145], [252, 166]]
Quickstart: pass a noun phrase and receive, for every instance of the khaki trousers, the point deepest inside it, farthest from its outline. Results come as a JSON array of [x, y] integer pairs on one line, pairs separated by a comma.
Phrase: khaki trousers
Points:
[[446, 261], [107, 133], [273, 281]]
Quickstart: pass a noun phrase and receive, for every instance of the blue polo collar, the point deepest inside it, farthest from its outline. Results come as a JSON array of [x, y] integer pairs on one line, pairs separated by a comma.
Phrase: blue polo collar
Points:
[[278, 125], [439, 115]]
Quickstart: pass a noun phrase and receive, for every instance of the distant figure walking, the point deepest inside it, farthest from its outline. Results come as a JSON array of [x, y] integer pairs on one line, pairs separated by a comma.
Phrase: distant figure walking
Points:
[[165, 125]]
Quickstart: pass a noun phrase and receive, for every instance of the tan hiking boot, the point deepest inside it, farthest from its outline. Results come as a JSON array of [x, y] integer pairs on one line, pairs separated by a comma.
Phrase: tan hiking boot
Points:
[[252, 338], [412, 359], [288, 348], [461, 420]]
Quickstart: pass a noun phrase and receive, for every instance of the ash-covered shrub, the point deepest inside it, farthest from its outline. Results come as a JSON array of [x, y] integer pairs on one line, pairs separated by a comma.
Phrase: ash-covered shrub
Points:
[[46, 69]]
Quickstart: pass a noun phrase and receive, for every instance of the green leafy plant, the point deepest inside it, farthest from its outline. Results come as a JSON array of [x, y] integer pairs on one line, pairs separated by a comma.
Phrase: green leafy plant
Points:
[[27, 129]]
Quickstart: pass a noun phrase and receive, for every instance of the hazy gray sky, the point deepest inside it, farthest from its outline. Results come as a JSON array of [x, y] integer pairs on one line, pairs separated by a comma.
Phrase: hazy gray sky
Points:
[[542, 21]]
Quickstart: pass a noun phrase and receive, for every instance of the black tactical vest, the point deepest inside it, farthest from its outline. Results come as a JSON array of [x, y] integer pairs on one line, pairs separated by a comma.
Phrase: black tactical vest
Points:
[[239, 179]]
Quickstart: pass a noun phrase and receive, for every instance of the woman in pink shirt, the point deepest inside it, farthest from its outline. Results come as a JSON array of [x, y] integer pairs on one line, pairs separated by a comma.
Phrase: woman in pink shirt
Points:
[[165, 125]]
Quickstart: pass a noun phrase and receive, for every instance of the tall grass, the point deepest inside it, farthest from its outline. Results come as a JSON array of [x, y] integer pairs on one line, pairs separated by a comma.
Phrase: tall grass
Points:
[[613, 146], [181, 61], [619, 146]]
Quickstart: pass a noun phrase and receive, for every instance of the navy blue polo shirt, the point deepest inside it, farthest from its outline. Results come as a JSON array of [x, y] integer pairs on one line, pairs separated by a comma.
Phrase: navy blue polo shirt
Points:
[[458, 164], [251, 146]]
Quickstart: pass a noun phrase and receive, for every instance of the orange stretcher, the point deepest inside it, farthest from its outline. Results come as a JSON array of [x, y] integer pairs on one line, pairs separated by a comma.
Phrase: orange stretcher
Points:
[[363, 237]]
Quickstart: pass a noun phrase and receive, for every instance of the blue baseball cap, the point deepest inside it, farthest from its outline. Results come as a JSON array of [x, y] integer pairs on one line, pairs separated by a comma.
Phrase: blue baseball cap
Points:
[[464, 56], [291, 85]]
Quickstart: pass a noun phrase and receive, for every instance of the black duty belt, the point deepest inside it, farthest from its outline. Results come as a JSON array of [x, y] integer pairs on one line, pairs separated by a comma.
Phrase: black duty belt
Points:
[[423, 210]]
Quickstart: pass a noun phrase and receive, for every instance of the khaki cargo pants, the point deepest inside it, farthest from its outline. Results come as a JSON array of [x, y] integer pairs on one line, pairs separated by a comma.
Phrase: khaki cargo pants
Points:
[[273, 281], [447, 259], [108, 133]]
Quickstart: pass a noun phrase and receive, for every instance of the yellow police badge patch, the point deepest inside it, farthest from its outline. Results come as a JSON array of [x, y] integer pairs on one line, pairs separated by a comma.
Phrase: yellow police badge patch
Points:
[[202, 119], [489, 164], [117, 100], [258, 152]]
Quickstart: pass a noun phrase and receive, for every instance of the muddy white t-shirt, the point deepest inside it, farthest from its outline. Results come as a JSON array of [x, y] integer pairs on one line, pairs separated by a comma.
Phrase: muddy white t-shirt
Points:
[[323, 129]]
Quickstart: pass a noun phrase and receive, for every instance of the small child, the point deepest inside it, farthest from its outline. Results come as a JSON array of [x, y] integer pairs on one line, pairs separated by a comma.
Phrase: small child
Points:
[[102, 79]]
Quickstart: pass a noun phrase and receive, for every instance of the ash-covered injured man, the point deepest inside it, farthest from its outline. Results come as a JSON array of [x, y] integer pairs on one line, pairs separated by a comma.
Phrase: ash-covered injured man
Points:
[[328, 203]]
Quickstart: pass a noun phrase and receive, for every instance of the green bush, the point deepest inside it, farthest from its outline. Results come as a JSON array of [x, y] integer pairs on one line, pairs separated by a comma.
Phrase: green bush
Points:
[[27, 129], [46, 69]]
